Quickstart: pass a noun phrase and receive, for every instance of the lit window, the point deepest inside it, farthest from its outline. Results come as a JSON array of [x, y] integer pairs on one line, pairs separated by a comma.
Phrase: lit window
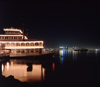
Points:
[[40, 43], [20, 37], [36, 44], [12, 44], [22, 44], [36, 50], [8, 44], [15, 37], [27, 44], [32, 44], [6, 37], [17, 44], [2, 37]]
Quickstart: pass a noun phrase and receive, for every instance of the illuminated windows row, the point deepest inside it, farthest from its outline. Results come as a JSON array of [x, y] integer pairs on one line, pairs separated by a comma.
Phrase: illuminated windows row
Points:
[[12, 32], [10, 37], [24, 44], [27, 51]]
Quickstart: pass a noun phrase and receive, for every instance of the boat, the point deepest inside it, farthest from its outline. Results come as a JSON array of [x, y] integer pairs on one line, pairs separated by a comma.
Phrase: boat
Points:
[[17, 44], [81, 49]]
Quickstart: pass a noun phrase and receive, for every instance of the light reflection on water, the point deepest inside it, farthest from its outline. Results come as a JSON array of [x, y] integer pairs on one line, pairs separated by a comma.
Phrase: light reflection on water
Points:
[[40, 70], [22, 72], [61, 55], [65, 55]]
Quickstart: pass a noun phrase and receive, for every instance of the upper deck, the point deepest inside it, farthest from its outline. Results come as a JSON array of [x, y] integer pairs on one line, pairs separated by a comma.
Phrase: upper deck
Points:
[[12, 34], [12, 31]]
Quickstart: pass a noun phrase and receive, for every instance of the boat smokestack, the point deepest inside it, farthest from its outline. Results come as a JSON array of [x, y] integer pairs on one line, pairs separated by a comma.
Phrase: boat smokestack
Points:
[[23, 28], [27, 33]]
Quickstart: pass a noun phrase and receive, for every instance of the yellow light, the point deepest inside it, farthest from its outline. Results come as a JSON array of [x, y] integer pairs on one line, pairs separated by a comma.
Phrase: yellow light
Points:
[[20, 41], [24, 47], [11, 35], [11, 63], [2, 67], [53, 66], [7, 65], [43, 73], [12, 29]]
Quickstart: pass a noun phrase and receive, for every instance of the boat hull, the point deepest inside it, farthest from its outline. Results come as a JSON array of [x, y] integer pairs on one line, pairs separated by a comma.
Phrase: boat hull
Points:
[[43, 55]]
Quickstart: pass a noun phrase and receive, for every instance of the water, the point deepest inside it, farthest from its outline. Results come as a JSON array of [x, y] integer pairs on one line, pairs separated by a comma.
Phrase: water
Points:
[[67, 68]]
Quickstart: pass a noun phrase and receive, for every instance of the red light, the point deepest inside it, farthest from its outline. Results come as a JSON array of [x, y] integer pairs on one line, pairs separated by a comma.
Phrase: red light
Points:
[[53, 66]]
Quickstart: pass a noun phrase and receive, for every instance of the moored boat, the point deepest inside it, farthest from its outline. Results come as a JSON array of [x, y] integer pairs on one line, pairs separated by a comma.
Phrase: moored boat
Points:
[[18, 45], [81, 49]]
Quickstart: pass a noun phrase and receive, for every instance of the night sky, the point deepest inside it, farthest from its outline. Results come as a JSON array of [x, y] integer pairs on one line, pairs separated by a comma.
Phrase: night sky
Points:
[[70, 23]]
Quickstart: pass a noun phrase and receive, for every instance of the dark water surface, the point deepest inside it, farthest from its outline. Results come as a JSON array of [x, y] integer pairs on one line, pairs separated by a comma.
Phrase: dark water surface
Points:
[[67, 68]]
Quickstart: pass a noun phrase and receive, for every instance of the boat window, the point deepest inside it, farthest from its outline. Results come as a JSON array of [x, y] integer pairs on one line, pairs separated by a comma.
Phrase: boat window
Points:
[[40, 43], [8, 44], [27, 44], [18, 51], [32, 51], [15, 37], [19, 37], [10, 37], [2, 37], [12, 44], [22, 44], [27, 51], [36, 50], [32, 44], [22, 51], [6, 37], [17, 44], [36, 44]]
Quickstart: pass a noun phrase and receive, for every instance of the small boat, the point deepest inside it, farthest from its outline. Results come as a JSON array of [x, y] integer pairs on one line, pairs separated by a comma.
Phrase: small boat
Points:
[[81, 49]]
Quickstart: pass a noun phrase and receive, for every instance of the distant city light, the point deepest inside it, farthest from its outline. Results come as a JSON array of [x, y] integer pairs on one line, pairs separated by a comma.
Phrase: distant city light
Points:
[[61, 47], [96, 49]]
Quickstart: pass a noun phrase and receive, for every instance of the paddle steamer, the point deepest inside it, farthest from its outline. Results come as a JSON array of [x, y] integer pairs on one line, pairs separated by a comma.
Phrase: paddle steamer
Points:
[[15, 43]]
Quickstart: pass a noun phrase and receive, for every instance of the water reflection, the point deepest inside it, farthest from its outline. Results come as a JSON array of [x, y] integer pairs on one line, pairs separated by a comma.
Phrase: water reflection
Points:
[[75, 54], [96, 53], [7, 65], [68, 55], [61, 55], [79, 72], [53, 66], [29, 68], [2, 67], [24, 70]]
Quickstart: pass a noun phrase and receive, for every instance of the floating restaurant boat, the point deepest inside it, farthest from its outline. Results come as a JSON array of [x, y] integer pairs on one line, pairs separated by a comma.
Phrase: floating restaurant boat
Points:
[[16, 44]]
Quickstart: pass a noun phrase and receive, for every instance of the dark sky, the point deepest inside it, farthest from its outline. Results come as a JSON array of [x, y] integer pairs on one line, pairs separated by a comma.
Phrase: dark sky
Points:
[[70, 23]]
